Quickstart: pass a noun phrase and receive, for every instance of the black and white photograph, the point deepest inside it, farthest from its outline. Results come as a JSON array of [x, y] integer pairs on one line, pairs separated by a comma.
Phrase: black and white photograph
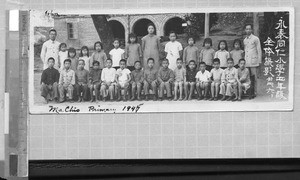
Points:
[[177, 61]]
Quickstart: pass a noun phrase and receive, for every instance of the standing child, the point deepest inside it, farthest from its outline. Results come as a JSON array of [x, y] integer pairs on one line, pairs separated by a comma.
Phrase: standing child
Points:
[[62, 55], [66, 82], [116, 54], [150, 80], [237, 53], [229, 81], [49, 80], [150, 47], [95, 81], [180, 78], [216, 74], [222, 53], [165, 78], [82, 79], [108, 76], [191, 52], [137, 78], [202, 81], [73, 58], [244, 82], [173, 50], [99, 55], [133, 51], [189, 85], [85, 55], [207, 53], [122, 78]]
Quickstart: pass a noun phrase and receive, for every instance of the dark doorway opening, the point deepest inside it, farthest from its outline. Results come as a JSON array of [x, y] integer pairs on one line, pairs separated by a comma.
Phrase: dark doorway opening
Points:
[[174, 24], [117, 29], [140, 27]]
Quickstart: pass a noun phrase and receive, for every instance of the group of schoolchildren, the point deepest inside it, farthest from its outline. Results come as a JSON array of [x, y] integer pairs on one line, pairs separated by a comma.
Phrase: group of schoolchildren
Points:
[[123, 76]]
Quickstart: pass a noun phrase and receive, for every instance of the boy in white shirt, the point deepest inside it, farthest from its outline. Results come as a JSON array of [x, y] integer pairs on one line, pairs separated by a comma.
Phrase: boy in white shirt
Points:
[[202, 81], [122, 78], [108, 80], [116, 54]]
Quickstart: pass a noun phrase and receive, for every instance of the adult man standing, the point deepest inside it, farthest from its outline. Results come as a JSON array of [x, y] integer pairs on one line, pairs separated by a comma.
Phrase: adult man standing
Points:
[[253, 54], [50, 49]]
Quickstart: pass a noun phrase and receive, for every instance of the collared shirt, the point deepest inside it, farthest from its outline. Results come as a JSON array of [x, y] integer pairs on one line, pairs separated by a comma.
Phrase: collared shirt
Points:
[[230, 75], [150, 74], [253, 51], [236, 55], [49, 49], [191, 75], [82, 76], [123, 74], [108, 74], [190, 53], [67, 77], [179, 74], [244, 75], [165, 75], [100, 57], [95, 75], [50, 76], [207, 56], [133, 52], [203, 76], [116, 56], [216, 74], [137, 75], [223, 55]]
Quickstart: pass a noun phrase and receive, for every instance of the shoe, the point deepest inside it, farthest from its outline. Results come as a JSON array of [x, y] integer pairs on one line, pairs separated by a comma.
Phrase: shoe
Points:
[[223, 98], [79, 99], [212, 98], [175, 99], [132, 99], [205, 98], [215, 99], [180, 99], [190, 98], [235, 99], [229, 98]]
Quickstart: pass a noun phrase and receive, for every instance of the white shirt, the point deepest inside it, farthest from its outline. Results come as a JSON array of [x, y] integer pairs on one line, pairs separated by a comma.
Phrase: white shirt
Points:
[[123, 74], [49, 49], [108, 74], [62, 57], [116, 56], [172, 49], [223, 55], [253, 53], [204, 77]]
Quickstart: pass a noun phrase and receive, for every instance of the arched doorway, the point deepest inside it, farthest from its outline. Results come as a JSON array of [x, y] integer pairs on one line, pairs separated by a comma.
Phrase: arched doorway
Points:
[[174, 24], [117, 29], [140, 27]]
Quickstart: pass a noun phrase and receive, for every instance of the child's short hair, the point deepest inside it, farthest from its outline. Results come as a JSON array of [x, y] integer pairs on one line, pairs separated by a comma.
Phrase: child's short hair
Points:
[[61, 45], [82, 48], [51, 58], [229, 59], [179, 59], [132, 35], [242, 60], [137, 62], [207, 41], [109, 60], [81, 60], [248, 24], [98, 42], [96, 63], [202, 63], [52, 30], [190, 37], [122, 60], [238, 41], [151, 24], [71, 50], [173, 32], [216, 60], [165, 60], [192, 61], [150, 59], [67, 60], [225, 42], [116, 39]]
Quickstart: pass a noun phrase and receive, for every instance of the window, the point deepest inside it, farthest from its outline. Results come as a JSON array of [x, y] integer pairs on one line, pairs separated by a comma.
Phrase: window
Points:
[[71, 34]]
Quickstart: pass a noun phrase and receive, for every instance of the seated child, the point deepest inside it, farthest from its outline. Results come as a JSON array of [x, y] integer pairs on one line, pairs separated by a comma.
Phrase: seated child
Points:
[[122, 78], [190, 82], [244, 82], [216, 74], [95, 81], [49, 80], [150, 80], [66, 82], [180, 75], [137, 78], [229, 81], [165, 78], [202, 81], [108, 76], [82, 79]]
